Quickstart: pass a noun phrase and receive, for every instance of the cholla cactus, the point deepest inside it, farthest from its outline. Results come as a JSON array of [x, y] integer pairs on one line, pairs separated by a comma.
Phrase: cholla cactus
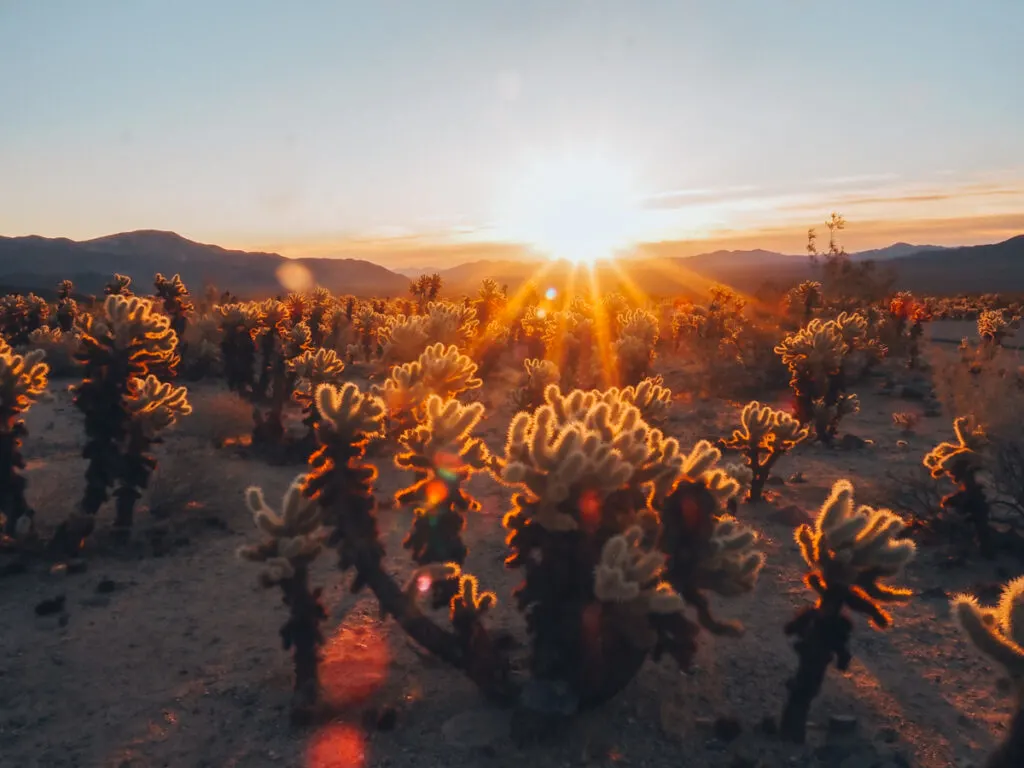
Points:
[[961, 462], [119, 286], [815, 356], [992, 328], [440, 370], [442, 453], [279, 341], [339, 482], [538, 376], [999, 634], [568, 338], [124, 408], [650, 397], [177, 304], [634, 349], [309, 370], [451, 324], [23, 380], [850, 550], [590, 469], [20, 316], [60, 347], [802, 300], [238, 326], [403, 338], [294, 538], [490, 345], [765, 435], [905, 421]]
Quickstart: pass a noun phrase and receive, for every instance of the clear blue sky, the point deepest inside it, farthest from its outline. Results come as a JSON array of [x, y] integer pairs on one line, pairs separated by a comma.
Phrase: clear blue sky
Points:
[[251, 121]]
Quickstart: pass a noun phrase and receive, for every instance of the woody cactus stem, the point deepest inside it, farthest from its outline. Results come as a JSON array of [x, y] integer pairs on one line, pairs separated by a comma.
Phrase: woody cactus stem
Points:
[[294, 539], [999, 634], [22, 380], [849, 551], [764, 437], [343, 486]]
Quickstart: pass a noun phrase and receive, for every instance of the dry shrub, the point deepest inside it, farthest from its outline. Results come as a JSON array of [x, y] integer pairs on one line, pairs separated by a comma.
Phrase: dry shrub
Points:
[[186, 480]]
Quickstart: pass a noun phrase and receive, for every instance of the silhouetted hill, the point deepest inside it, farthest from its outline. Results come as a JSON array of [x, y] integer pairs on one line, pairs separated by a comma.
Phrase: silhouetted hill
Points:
[[38, 263], [995, 268]]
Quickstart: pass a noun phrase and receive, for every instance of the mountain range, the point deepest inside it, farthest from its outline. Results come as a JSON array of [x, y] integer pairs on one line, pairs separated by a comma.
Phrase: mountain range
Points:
[[38, 263]]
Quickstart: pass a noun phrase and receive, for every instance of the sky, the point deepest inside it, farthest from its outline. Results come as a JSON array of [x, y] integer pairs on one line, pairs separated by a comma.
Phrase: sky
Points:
[[422, 132]]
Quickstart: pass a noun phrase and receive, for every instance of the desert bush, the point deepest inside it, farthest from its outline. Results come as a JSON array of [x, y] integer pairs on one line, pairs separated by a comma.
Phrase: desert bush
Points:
[[125, 408], [23, 379], [765, 436], [850, 551], [294, 538], [999, 634]]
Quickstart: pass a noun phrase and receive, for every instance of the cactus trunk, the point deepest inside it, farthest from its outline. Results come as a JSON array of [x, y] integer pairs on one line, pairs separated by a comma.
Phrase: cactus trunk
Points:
[[302, 634], [1010, 753]]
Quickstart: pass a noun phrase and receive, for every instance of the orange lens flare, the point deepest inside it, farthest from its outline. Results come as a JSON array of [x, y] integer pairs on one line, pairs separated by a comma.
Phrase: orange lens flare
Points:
[[337, 746]]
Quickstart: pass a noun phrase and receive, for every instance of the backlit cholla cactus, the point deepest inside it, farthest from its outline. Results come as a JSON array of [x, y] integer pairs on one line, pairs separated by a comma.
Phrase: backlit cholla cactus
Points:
[[764, 436], [628, 583], [491, 344], [294, 539], [120, 285], [339, 482], [538, 375], [851, 551], [992, 327], [239, 324], [590, 469], [124, 408], [863, 350], [177, 304], [961, 461], [403, 338], [279, 340], [634, 348], [442, 453], [568, 338], [815, 357], [60, 347], [309, 370], [440, 370], [802, 300], [201, 353], [651, 398], [999, 634], [451, 324], [20, 316], [23, 380]]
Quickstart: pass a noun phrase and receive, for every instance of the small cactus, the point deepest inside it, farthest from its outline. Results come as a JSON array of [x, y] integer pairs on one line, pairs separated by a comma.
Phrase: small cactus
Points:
[[764, 437], [961, 462], [23, 380], [850, 551], [999, 634], [294, 538]]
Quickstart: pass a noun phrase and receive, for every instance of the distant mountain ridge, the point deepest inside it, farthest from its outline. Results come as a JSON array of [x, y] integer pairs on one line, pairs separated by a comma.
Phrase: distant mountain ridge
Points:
[[38, 263]]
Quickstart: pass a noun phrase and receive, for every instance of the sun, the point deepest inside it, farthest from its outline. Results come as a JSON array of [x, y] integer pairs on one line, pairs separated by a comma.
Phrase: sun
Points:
[[576, 207]]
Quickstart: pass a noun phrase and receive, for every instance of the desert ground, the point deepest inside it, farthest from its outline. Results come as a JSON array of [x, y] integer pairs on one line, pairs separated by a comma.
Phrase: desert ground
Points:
[[166, 652]]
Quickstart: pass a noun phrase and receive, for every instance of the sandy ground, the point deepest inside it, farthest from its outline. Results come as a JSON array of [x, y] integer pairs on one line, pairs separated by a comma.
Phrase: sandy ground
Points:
[[168, 654]]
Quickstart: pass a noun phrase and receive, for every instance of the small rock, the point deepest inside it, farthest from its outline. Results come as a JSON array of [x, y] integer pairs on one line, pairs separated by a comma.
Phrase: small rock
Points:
[[50, 606], [727, 728], [841, 725], [888, 734], [796, 478], [850, 442]]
